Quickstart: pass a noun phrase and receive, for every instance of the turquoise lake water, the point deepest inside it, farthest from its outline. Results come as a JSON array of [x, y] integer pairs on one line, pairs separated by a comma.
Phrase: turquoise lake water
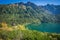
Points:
[[46, 27]]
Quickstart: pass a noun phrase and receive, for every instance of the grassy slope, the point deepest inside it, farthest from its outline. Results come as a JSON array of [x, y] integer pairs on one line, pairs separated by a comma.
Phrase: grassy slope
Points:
[[27, 35], [19, 32]]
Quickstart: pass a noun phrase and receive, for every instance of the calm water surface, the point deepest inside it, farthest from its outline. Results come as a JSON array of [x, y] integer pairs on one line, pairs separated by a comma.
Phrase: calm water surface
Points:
[[46, 27]]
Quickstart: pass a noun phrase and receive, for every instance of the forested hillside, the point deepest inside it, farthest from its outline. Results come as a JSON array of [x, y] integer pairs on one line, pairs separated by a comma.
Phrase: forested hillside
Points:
[[14, 19], [21, 13]]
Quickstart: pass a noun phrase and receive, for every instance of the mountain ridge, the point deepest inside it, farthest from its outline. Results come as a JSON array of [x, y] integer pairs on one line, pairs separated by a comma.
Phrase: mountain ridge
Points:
[[20, 13]]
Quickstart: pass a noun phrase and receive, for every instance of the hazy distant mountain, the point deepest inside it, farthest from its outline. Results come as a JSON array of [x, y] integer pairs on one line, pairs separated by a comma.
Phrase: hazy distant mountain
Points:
[[55, 9], [25, 13]]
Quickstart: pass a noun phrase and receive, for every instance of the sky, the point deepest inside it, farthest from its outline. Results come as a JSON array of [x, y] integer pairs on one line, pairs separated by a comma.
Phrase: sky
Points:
[[38, 2]]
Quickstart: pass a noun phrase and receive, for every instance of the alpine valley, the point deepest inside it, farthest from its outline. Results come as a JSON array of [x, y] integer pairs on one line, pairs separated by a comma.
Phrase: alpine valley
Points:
[[28, 21]]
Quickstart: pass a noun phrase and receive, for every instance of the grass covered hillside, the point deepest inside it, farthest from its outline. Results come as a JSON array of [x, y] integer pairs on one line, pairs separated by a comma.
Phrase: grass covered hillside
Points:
[[27, 35]]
